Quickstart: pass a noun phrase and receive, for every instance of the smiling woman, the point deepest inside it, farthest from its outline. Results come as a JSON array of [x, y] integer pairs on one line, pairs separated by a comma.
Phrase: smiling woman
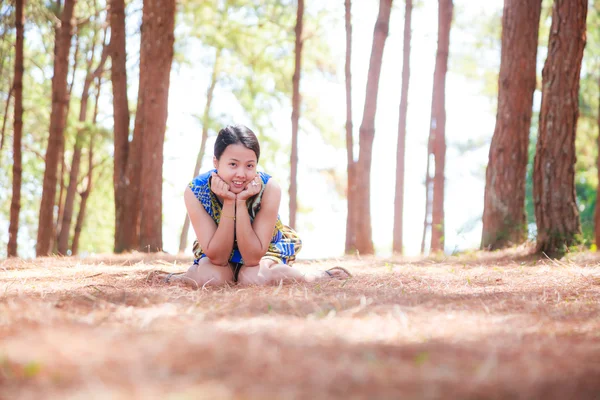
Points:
[[234, 212]]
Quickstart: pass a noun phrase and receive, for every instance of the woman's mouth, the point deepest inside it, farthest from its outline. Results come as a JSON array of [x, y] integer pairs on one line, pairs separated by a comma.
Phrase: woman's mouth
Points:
[[238, 184]]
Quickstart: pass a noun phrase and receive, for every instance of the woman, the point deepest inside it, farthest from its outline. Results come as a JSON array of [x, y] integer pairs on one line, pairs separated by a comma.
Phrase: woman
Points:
[[234, 212]]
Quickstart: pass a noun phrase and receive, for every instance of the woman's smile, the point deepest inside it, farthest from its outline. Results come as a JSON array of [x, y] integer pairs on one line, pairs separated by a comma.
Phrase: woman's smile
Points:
[[238, 184]]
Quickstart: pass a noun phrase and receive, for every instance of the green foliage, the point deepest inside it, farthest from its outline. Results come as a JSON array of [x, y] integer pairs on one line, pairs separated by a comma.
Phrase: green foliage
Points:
[[39, 45], [476, 49], [256, 44], [97, 235]]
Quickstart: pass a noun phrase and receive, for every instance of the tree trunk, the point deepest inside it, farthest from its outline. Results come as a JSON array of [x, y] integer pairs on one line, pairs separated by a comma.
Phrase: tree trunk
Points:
[[158, 24], [205, 123], [296, 115], [57, 229], [15, 204], [504, 219], [118, 57], [57, 126], [130, 213], [64, 235], [351, 216], [364, 241], [554, 195], [90, 174], [438, 124], [398, 245]]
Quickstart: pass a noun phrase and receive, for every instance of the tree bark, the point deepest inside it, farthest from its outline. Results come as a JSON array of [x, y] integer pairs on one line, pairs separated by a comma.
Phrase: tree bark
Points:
[[57, 229], [398, 245], [351, 215], [15, 204], [438, 124], [554, 195], [296, 115], [504, 219], [158, 24], [118, 55], [205, 123], [57, 126], [364, 241]]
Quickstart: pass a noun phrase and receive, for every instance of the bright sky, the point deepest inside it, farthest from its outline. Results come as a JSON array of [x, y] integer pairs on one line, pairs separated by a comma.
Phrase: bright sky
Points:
[[469, 116]]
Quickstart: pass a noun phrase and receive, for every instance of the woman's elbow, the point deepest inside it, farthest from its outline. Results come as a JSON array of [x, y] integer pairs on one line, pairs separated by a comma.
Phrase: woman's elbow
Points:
[[254, 259], [216, 259]]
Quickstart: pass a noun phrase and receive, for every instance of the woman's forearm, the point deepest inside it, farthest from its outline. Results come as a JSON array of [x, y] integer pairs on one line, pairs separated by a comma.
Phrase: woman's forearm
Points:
[[249, 244], [220, 246]]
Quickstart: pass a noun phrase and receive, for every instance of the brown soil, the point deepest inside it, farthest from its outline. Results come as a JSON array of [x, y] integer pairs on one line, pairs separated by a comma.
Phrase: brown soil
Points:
[[499, 325]]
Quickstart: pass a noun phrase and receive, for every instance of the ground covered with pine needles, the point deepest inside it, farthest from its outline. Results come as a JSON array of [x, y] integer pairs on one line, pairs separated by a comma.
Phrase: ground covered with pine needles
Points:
[[499, 325]]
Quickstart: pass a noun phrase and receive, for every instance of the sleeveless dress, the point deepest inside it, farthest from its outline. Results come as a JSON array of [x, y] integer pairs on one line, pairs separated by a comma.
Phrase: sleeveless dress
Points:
[[285, 242]]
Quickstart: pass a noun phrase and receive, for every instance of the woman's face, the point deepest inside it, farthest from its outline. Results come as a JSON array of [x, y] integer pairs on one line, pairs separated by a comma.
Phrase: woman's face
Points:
[[237, 166]]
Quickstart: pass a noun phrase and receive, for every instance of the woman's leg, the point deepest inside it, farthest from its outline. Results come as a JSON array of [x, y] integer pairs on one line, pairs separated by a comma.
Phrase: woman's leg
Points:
[[207, 273], [271, 272]]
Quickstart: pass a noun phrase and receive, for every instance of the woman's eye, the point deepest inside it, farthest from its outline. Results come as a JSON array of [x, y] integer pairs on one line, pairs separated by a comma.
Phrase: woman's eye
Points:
[[232, 164], [250, 166]]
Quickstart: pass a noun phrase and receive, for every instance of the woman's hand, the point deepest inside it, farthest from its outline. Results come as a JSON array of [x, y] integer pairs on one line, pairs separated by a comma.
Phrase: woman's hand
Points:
[[252, 188], [220, 188]]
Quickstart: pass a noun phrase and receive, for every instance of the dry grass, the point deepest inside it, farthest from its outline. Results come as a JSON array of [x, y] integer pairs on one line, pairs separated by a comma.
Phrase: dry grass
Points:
[[499, 325]]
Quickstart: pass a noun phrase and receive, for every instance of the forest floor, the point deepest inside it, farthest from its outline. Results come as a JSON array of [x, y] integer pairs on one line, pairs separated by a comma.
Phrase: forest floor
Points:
[[496, 325]]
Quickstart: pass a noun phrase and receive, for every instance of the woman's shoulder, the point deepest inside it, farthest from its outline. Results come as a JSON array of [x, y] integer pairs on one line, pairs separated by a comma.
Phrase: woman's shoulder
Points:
[[202, 179], [267, 180], [264, 176]]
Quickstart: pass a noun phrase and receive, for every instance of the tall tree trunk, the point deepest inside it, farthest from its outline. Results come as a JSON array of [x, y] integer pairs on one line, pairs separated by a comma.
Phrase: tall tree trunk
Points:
[[83, 202], [158, 24], [438, 124], [364, 241], [64, 234], [57, 126], [296, 115], [90, 174], [205, 123], [504, 219], [398, 245], [130, 213], [15, 204], [351, 215], [118, 57], [63, 164], [554, 195]]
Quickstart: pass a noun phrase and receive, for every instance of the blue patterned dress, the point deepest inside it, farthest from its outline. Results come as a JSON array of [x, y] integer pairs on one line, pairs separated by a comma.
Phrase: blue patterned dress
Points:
[[285, 242]]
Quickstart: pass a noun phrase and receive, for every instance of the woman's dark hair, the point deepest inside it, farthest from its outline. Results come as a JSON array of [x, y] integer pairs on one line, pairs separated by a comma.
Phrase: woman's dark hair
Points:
[[236, 134]]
